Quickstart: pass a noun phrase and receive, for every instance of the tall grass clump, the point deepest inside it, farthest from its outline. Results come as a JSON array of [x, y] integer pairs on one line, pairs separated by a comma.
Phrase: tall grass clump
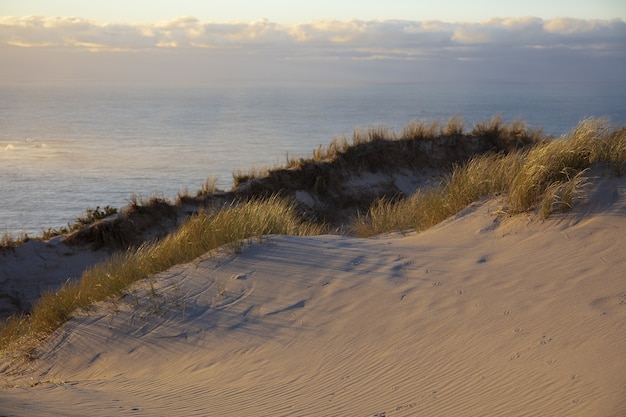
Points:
[[8, 240], [550, 175], [241, 176], [198, 235], [482, 175], [209, 186], [421, 129], [614, 151], [551, 165]]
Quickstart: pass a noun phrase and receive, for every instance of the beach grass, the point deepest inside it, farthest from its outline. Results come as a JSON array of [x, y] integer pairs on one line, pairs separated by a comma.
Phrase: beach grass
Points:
[[201, 233], [91, 216], [544, 174], [9, 240], [549, 175]]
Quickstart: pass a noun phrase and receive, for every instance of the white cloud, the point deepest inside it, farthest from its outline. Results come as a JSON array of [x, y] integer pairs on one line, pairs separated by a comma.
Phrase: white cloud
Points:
[[573, 26], [187, 31], [266, 45]]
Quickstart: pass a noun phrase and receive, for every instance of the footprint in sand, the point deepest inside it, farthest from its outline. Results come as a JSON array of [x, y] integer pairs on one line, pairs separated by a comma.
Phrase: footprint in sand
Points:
[[357, 260], [240, 277], [437, 283], [545, 340]]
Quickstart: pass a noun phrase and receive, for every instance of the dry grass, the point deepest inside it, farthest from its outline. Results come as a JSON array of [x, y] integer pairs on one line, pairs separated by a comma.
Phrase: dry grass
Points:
[[337, 146], [560, 161], [560, 195], [242, 176], [90, 217], [482, 175], [415, 130], [8, 240], [209, 186], [421, 129], [550, 175], [420, 143], [199, 234]]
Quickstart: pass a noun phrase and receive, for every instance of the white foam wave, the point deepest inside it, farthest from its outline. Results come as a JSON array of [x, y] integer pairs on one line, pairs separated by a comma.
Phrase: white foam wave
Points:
[[31, 145]]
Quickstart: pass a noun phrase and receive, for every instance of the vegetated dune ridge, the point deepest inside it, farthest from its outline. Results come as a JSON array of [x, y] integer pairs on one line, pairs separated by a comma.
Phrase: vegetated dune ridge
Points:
[[331, 187], [483, 314]]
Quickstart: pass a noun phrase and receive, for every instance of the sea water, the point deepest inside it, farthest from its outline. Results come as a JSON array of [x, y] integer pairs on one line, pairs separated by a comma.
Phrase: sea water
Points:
[[66, 148]]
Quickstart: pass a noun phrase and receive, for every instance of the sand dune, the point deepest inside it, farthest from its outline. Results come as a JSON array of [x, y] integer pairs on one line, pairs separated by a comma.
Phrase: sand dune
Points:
[[480, 315]]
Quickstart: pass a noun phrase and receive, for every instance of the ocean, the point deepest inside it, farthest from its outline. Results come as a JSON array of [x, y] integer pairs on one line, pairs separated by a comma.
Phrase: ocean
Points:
[[66, 148]]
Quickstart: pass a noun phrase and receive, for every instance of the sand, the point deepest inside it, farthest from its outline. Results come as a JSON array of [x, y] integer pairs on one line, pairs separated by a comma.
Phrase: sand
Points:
[[482, 315]]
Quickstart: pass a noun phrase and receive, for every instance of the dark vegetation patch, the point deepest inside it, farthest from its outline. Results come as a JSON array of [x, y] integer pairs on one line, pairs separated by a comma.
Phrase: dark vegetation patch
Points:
[[324, 177]]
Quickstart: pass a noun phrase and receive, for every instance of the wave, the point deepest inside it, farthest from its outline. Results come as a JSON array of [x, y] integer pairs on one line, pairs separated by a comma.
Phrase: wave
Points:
[[31, 145]]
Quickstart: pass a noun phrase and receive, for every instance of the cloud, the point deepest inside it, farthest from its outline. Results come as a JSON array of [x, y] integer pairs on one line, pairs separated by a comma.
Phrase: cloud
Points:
[[72, 32], [187, 32], [263, 43]]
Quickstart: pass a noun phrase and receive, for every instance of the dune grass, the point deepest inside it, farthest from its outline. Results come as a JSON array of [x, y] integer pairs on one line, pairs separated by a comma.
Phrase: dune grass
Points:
[[549, 176], [198, 235], [423, 130], [7, 240], [91, 216], [482, 175]]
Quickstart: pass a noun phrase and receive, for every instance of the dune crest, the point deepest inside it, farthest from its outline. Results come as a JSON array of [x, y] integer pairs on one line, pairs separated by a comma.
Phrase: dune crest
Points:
[[479, 315]]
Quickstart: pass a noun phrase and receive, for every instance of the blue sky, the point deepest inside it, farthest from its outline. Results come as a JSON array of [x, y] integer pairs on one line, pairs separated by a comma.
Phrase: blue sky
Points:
[[238, 41], [298, 11]]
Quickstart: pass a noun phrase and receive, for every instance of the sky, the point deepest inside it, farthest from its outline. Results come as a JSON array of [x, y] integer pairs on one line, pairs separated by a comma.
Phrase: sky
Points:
[[299, 11], [244, 41]]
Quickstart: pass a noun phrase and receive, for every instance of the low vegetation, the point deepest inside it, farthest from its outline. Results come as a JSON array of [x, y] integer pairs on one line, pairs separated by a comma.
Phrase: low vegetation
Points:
[[91, 216], [533, 170], [549, 175], [200, 234], [9, 240]]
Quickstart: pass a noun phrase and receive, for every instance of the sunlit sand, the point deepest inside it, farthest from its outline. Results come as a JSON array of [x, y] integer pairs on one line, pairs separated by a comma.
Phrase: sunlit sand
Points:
[[481, 315]]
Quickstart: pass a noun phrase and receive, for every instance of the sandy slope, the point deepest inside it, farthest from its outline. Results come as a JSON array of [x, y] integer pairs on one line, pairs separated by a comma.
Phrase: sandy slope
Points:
[[36, 266], [481, 315]]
